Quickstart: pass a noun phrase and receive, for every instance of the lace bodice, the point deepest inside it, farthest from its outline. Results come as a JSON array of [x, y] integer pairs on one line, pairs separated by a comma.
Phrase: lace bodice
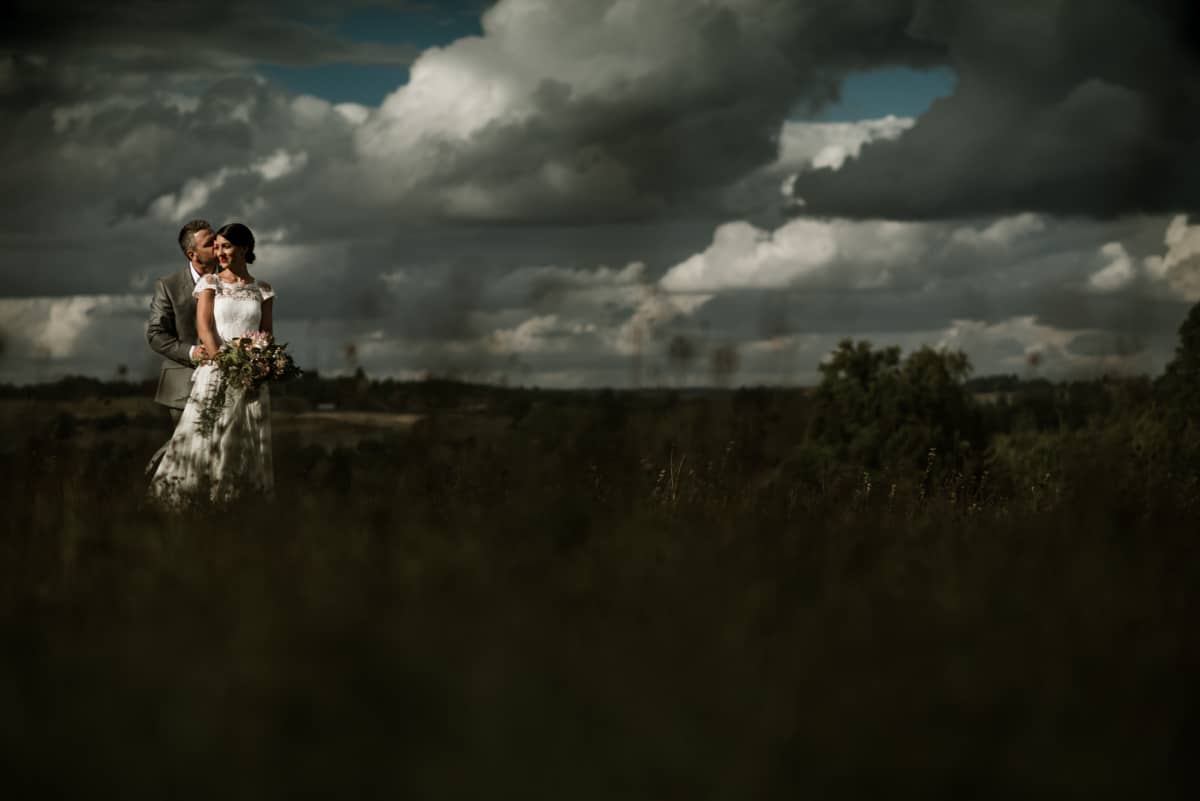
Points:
[[237, 307]]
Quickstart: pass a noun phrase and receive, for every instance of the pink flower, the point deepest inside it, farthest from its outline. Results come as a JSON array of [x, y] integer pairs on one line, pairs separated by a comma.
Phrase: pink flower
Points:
[[257, 339]]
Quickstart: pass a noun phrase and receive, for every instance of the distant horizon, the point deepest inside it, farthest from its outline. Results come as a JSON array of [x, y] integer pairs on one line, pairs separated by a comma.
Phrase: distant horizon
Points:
[[665, 387]]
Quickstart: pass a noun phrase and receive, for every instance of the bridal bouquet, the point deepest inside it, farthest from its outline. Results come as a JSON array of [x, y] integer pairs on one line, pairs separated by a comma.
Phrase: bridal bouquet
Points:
[[246, 363]]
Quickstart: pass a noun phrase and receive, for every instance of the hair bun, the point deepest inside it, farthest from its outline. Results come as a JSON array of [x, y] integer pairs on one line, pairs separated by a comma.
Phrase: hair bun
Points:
[[239, 235]]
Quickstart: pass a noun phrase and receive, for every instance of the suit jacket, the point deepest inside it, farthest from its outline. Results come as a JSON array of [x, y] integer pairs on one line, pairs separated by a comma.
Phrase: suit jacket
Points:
[[171, 332]]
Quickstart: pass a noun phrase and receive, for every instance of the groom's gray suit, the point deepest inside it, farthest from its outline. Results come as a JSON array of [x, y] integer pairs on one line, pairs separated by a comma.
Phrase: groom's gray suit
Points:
[[171, 332]]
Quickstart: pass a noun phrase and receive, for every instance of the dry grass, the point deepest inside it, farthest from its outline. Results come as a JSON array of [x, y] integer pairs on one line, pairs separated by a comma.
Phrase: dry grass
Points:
[[594, 600]]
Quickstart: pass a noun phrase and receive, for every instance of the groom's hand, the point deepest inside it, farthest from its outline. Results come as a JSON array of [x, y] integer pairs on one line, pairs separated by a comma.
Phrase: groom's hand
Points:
[[199, 353]]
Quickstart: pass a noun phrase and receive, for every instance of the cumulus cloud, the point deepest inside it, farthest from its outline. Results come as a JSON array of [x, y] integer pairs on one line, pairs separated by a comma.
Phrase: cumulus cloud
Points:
[[539, 335], [1007, 343], [1119, 271], [1029, 348], [196, 193], [850, 254], [190, 198], [1180, 266], [91, 334], [616, 109], [1175, 273], [654, 315], [1005, 232], [767, 195], [827, 145], [279, 164]]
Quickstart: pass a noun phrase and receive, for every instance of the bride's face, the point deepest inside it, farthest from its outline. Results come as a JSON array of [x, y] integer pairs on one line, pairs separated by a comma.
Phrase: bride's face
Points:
[[229, 254]]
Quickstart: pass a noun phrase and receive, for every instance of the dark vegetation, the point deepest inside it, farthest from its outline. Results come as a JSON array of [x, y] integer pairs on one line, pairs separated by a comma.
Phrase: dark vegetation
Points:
[[898, 583]]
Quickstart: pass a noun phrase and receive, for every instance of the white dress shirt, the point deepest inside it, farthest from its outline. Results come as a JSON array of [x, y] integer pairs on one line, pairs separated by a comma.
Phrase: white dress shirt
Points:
[[195, 278]]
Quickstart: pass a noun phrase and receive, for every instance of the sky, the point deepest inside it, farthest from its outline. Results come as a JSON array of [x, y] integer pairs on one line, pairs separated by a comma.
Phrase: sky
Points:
[[622, 193]]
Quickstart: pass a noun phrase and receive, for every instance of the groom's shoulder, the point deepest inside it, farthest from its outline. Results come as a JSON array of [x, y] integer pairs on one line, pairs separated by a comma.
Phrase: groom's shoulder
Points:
[[175, 281]]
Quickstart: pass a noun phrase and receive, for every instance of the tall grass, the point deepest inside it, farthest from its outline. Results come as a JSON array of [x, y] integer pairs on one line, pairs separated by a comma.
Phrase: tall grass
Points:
[[602, 600]]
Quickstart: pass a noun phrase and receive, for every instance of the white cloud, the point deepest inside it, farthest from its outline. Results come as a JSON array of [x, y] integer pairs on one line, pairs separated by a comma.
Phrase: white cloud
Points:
[[1119, 271], [830, 144], [64, 322], [541, 334], [197, 193], [174, 207], [1002, 233], [743, 256], [655, 311], [279, 164], [76, 330], [803, 146], [632, 274], [1007, 344], [815, 253], [1174, 273], [452, 93], [310, 110], [353, 113], [1181, 263], [853, 254], [1024, 346]]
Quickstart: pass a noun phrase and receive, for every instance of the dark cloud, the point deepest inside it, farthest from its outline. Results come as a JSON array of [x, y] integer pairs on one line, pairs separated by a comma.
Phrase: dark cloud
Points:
[[1075, 107], [754, 315], [490, 218], [1061, 107], [143, 35], [619, 112], [1103, 344], [1127, 315]]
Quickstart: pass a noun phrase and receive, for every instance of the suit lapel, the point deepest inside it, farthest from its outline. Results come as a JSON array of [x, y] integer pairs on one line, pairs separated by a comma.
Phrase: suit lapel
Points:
[[183, 286], [185, 306]]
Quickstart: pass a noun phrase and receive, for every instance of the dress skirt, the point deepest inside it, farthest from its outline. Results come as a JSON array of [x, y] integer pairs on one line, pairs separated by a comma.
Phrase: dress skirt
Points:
[[217, 455]]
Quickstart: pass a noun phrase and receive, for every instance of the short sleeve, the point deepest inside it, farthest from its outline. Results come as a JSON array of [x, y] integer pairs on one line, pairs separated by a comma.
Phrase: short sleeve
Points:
[[266, 290], [205, 283]]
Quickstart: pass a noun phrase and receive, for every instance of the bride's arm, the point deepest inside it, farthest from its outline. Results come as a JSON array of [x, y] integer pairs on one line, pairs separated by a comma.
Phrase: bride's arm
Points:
[[206, 323], [268, 323]]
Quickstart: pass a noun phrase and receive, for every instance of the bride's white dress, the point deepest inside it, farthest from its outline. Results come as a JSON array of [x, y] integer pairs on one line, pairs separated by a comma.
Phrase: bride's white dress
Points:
[[233, 459]]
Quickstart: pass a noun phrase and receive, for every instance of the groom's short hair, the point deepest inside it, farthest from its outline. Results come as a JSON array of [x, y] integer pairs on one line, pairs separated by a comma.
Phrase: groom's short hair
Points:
[[187, 235]]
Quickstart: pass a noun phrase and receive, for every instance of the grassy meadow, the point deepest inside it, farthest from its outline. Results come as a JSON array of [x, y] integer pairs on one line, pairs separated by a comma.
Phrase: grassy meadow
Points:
[[892, 589]]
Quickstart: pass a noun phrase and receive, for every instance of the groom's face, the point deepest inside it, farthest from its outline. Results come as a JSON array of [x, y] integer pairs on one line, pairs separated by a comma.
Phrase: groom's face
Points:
[[204, 254]]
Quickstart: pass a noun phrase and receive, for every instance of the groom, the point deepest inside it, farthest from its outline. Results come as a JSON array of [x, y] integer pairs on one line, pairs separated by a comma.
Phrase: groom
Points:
[[171, 329]]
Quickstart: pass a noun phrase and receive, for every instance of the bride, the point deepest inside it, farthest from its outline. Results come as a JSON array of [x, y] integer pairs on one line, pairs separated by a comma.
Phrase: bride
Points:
[[231, 458]]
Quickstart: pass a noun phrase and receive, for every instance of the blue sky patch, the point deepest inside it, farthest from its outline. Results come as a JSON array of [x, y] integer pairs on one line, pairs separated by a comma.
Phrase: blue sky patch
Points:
[[895, 90], [435, 25]]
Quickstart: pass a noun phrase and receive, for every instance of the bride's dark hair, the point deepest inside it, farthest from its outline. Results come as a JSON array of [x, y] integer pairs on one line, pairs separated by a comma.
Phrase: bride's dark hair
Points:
[[239, 235]]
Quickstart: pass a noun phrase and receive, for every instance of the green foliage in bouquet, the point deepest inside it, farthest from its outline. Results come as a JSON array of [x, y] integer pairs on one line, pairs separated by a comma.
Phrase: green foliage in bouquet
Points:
[[246, 363]]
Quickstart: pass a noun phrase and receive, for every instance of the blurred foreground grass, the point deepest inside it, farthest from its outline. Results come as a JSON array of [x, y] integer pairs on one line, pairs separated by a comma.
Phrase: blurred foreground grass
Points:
[[596, 599]]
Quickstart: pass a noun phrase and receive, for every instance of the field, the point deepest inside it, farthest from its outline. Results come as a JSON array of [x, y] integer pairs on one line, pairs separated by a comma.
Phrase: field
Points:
[[465, 592]]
